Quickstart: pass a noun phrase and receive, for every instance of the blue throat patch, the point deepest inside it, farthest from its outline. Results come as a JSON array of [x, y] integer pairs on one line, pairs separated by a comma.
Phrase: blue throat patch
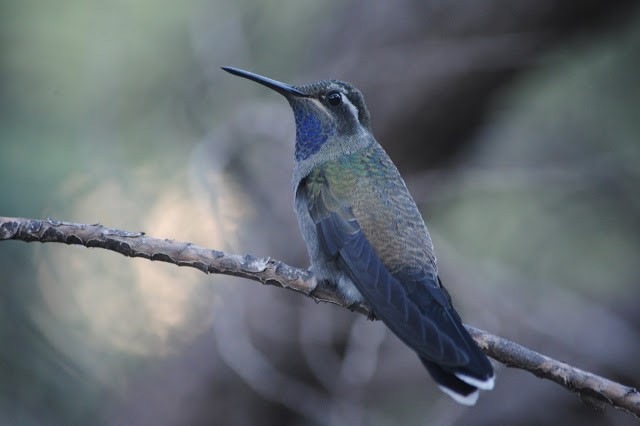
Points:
[[310, 133]]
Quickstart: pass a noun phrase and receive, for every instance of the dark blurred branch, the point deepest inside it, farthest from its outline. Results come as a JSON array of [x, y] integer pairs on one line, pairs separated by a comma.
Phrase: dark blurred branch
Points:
[[594, 390]]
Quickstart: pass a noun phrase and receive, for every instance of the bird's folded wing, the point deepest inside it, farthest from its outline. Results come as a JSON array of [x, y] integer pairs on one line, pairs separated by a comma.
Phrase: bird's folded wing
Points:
[[426, 327]]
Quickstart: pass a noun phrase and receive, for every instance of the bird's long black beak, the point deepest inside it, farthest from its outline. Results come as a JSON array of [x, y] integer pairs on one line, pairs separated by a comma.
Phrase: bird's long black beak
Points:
[[281, 88]]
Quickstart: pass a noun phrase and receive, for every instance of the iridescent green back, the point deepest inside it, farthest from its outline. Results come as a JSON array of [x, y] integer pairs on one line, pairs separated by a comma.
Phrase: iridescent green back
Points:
[[367, 185]]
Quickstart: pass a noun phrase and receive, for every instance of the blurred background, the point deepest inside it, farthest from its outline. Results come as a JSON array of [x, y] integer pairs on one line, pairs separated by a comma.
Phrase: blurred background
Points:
[[516, 125]]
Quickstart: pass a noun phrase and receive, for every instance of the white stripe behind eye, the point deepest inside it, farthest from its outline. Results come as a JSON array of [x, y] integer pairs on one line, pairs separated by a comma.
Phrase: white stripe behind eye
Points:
[[352, 107]]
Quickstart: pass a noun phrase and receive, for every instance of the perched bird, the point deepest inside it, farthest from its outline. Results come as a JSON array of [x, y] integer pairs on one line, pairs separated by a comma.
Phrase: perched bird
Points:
[[365, 234]]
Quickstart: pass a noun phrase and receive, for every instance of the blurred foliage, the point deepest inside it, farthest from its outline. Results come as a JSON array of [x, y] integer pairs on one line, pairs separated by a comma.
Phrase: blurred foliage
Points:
[[518, 135], [560, 157]]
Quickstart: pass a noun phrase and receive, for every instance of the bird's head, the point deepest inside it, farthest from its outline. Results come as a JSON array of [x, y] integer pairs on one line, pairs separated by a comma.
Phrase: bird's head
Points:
[[322, 110]]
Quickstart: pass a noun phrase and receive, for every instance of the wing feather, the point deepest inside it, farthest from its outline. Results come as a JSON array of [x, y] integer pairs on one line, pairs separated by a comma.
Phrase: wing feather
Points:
[[369, 227], [342, 238]]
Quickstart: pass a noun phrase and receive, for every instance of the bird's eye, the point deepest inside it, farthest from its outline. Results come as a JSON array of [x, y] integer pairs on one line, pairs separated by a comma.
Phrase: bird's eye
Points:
[[334, 97]]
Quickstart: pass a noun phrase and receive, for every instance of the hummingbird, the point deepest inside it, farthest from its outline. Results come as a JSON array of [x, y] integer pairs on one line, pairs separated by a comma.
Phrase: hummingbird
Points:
[[366, 236]]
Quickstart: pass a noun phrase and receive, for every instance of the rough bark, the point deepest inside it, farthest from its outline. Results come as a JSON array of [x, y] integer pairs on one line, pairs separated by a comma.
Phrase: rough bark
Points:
[[594, 390]]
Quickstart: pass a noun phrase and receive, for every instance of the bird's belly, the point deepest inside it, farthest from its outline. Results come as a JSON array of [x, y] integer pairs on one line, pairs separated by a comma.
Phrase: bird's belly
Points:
[[329, 270], [349, 290]]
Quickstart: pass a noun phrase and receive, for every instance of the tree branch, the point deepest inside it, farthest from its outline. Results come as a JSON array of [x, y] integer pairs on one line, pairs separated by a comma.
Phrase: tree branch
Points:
[[593, 390]]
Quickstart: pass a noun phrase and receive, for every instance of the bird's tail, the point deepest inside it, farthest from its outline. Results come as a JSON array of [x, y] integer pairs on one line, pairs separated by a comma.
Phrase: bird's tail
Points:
[[462, 382], [449, 383]]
